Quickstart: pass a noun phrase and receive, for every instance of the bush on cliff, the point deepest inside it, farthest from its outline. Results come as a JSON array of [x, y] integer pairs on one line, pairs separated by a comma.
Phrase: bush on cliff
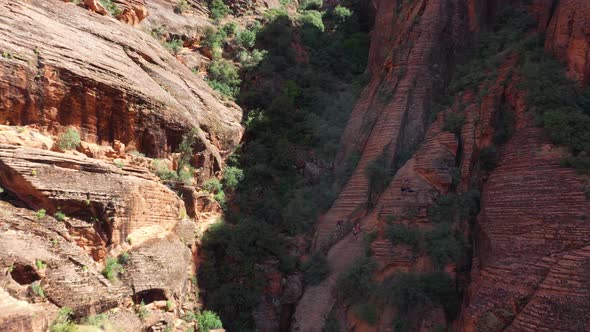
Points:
[[411, 292], [69, 140], [444, 246], [224, 77], [208, 320], [357, 285], [403, 234], [315, 270], [218, 9]]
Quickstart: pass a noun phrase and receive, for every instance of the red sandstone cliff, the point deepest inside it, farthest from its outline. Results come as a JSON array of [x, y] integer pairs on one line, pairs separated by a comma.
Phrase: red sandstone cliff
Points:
[[530, 253]]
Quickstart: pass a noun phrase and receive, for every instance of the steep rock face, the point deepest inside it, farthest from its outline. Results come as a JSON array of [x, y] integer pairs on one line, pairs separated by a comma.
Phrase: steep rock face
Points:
[[413, 46], [123, 201], [531, 253], [568, 36], [106, 78], [27, 239]]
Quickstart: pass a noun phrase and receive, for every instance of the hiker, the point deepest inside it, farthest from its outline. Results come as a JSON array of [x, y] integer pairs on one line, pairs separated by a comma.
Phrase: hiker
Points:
[[356, 230], [406, 187], [339, 223]]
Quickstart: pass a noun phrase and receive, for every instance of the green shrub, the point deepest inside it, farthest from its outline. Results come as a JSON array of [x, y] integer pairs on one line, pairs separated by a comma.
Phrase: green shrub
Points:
[[110, 7], [312, 19], [142, 311], [251, 59], [450, 207], [357, 283], [224, 77], [182, 6], [411, 292], [112, 269], [41, 213], [69, 140], [315, 270], [208, 320], [212, 186], [214, 38], [185, 175], [443, 246], [341, 14], [160, 168], [63, 321], [174, 45], [367, 312], [169, 305], [218, 9], [230, 28], [312, 4], [60, 216], [400, 233], [247, 38], [37, 289], [453, 122], [232, 177]]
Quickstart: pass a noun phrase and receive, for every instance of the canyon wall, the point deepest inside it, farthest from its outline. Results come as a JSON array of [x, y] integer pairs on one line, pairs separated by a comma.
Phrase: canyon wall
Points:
[[529, 240]]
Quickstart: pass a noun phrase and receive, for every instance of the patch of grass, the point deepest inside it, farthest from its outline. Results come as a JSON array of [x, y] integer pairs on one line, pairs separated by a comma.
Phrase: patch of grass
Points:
[[60, 216], [315, 270], [174, 45], [142, 311], [40, 265], [37, 289], [41, 213], [112, 269], [99, 320], [63, 321], [69, 140], [160, 168]]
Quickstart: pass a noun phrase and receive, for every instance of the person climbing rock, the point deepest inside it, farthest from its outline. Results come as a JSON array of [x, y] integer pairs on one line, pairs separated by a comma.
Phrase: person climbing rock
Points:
[[405, 188], [339, 223]]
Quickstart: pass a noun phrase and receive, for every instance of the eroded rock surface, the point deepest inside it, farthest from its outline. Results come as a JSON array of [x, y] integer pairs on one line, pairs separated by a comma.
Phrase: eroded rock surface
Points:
[[106, 78]]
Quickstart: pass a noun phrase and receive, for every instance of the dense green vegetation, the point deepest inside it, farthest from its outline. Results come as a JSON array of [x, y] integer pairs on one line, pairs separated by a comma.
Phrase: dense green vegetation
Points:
[[299, 99], [411, 292], [315, 270]]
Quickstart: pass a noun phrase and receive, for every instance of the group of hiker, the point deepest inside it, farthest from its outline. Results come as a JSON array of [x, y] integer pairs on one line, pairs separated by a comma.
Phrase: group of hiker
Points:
[[355, 230]]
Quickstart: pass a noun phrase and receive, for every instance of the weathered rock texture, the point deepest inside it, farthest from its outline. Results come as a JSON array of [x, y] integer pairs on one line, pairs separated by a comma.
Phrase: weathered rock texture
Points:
[[106, 78], [530, 239], [120, 201], [412, 47], [568, 36]]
